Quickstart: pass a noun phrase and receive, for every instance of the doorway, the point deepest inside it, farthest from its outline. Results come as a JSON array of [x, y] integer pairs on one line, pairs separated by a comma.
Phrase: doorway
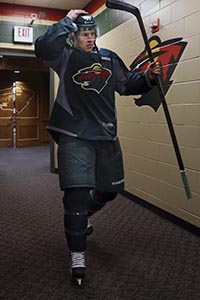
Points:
[[24, 102]]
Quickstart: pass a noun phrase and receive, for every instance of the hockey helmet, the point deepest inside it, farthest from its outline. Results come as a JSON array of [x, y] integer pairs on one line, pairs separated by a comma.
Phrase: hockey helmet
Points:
[[85, 22]]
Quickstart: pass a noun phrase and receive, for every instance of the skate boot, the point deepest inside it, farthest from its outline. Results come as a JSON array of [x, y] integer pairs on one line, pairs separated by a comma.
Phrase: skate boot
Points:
[[89, 228], [77, 266]]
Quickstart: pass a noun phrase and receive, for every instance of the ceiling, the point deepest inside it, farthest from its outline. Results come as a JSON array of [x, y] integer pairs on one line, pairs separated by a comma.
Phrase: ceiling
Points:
[[58, 4]]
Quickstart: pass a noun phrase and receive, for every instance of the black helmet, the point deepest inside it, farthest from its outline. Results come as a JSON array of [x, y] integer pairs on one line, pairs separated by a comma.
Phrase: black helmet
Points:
[[85, 21]]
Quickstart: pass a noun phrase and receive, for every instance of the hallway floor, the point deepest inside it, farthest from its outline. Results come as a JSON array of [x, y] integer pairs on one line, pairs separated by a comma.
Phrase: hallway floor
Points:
[[133, 253]]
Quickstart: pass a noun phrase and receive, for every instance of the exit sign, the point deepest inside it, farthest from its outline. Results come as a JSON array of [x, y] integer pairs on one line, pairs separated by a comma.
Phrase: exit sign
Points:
[[23, 34]]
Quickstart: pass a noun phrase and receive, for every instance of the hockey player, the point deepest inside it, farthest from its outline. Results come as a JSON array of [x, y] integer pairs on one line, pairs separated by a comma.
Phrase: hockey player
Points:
[[83, 122]]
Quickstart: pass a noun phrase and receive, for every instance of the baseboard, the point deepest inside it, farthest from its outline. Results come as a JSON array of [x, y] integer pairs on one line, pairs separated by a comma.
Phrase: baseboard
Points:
[[164, 214]]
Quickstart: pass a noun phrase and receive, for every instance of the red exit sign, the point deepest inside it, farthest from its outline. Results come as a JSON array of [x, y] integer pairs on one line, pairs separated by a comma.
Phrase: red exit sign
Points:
[[23, 34]]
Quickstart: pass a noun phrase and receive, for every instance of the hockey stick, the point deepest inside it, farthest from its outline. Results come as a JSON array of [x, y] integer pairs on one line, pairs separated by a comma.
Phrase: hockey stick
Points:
[[115, 4]]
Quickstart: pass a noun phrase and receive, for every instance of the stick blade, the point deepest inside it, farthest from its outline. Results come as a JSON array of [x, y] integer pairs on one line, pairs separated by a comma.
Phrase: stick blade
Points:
[[115, 4]]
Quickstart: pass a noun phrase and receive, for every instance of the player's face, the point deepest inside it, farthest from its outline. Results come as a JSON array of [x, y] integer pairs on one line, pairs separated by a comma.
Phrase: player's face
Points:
[[85, 40]]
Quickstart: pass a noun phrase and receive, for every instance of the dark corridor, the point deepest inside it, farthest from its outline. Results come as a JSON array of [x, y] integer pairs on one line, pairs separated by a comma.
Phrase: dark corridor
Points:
[[24, 102]]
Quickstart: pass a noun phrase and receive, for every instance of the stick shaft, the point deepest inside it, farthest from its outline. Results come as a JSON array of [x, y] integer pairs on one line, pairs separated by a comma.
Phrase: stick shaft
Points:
[[132, 9], [162, 97]]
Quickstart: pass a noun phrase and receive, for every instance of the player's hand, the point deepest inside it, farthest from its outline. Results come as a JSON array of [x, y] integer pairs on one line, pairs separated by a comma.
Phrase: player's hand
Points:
[[153, 69], [74, 13]]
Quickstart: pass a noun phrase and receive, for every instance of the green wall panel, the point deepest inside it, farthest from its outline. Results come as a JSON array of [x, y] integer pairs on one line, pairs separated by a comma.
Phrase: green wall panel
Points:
[[7, 31], [109, 19], [106, 21]]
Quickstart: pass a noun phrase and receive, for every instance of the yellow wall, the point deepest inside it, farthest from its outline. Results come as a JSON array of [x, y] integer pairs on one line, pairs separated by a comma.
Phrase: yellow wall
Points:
[[151, 167]]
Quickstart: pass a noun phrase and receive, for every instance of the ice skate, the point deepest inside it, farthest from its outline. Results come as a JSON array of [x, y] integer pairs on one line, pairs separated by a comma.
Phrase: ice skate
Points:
[[89, 228], [77, 266]]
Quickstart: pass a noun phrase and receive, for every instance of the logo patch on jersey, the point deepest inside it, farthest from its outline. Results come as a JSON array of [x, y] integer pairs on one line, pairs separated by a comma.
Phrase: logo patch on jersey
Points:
[[93, 78]]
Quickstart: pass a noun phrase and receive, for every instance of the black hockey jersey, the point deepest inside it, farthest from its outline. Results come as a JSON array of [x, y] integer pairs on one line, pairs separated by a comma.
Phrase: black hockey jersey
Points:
[[85, 102]]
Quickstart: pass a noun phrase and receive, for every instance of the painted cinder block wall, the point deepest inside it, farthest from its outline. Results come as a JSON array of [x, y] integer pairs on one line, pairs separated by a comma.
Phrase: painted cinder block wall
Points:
[[151, 168]]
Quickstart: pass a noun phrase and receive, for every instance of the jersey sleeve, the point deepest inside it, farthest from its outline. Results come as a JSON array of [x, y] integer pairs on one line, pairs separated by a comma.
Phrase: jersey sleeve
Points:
[[128, 82], [50, 46]]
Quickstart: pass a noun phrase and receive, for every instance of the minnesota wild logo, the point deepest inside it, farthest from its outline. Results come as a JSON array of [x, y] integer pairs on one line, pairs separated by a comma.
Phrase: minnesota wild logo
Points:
[[93, 78], [168, 54]]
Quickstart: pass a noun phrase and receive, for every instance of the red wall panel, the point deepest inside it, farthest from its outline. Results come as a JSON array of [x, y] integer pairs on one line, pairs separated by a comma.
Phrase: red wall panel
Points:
[[26, 11], [94, 5], [43, 13]]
